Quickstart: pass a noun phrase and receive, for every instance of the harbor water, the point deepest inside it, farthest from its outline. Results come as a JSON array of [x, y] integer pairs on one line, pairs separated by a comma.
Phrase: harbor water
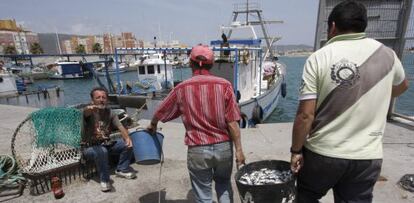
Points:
[[77, 91]]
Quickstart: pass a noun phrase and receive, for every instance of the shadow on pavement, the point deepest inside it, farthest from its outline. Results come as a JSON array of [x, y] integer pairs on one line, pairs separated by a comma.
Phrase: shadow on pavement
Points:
[[153, 197]]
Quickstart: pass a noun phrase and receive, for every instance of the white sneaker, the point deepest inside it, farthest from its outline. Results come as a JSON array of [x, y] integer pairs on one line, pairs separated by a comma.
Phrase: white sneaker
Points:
[[127, 175], [105, 187]]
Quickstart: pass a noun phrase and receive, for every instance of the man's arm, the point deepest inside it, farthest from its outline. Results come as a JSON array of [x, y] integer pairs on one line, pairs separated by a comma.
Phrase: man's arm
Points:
[[152, 127], [399, 89], [234, 132], [301, 128], [125, 136]]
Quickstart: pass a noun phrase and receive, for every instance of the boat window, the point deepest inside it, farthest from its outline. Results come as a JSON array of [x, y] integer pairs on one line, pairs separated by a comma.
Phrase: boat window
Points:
[[141, 70], [159, 68], [151, 69]]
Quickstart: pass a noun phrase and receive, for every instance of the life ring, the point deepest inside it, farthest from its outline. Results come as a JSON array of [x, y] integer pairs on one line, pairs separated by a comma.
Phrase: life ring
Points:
[[257, 114], [246, 57]]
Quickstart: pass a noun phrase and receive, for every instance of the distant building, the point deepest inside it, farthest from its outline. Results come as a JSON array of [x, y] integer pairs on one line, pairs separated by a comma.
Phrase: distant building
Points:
[[128, 40], [13, 35], [108, 44]]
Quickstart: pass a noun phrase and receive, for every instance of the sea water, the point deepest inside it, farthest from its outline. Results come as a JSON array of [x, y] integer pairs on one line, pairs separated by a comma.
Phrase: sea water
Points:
[[77, 91]]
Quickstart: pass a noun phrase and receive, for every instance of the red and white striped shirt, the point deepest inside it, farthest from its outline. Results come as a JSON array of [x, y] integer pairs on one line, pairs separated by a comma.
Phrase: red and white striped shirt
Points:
[[206, 104]]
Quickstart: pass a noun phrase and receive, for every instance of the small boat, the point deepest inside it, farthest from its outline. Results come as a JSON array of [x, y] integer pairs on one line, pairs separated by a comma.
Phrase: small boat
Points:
[[71, 70], [112, 69], [154, 74]]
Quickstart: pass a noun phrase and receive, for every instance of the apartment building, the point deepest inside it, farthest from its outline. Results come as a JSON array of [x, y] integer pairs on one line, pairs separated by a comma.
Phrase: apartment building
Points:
[[15, 36]]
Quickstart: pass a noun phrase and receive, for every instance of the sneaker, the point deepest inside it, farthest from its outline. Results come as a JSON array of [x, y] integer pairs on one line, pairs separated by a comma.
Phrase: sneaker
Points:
[[105, 187], [127, 175]]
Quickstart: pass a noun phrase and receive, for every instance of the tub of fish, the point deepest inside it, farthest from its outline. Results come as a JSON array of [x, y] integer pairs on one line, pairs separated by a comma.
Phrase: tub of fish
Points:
[[267, 181]]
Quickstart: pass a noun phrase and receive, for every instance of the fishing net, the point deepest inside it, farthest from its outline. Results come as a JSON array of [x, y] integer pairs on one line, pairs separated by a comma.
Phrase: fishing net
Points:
[[47, 139]]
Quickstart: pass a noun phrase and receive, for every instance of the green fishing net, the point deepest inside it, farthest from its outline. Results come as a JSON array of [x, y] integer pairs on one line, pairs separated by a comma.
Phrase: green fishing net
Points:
[[57, 126]]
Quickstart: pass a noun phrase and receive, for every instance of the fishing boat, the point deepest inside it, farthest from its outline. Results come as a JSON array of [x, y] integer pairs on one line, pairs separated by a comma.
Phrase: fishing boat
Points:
[[258, 78]]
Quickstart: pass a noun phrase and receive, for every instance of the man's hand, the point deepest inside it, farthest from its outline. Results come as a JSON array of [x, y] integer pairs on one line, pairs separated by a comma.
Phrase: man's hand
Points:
[[296, 162], [128, 142], [152, 129], [240, 159], [88, 110]]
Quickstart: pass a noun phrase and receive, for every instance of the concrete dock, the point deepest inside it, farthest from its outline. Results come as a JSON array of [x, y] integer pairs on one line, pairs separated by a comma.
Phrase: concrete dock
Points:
[[268, 141]]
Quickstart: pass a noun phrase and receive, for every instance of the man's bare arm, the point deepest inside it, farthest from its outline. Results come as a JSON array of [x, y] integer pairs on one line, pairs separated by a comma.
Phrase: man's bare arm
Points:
[[399, 89]]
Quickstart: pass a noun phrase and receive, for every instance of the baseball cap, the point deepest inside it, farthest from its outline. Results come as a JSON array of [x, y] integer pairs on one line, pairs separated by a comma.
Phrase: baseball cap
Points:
[[201, 54]]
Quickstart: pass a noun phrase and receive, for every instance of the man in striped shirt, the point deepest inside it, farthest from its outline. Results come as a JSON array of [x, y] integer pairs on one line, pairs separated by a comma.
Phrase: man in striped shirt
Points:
[[210, 114]]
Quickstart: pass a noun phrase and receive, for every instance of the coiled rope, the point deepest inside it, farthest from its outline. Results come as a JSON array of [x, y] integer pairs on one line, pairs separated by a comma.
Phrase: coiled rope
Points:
[[10, 176]]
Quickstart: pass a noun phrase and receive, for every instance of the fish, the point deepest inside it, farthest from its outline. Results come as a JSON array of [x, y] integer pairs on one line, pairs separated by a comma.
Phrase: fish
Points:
[[265, 176]]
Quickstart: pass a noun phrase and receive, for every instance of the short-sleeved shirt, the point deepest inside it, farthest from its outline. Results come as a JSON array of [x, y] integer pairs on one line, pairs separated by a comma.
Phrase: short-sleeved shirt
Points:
[[206, 104], [99, 125], [351, 78]]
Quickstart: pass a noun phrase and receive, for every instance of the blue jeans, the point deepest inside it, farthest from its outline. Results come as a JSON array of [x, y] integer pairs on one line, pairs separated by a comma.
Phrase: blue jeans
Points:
[[99, 154], [208, 163]]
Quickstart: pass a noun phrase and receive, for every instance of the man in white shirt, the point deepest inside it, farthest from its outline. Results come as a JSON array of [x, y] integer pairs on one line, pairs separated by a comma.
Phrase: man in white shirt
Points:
[[346, 90]]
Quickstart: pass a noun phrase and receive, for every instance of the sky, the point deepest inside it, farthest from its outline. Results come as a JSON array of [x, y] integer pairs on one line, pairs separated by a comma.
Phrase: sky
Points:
[[189, 21]]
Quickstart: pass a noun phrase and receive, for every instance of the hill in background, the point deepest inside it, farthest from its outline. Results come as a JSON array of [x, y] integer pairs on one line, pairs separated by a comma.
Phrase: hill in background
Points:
[[293, 47]]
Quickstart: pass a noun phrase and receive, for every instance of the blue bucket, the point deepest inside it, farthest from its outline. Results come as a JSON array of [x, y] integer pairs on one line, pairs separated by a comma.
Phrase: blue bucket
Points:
[[147, 148]]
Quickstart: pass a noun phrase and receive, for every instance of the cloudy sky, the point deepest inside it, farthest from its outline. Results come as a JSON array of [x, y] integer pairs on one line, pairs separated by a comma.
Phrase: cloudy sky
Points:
[[190, 21]]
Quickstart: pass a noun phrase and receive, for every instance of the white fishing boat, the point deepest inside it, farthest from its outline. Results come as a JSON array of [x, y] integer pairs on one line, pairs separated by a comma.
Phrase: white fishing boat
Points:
[[257, 77]]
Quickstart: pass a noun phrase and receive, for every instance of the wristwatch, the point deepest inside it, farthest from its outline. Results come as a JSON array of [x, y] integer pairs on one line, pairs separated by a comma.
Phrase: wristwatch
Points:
[[295, 151]]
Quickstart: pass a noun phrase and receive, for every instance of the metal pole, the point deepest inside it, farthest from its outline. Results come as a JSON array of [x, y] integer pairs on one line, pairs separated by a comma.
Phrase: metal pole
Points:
[[31, 62], [118, 78], [236, 70], [260, 72], [165, 68]]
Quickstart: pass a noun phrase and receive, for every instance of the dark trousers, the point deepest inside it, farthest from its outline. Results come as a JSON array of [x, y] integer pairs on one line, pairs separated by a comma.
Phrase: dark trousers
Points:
[[351, 180]]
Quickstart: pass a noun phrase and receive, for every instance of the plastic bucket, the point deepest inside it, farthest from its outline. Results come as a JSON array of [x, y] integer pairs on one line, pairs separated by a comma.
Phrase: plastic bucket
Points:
[[271, 193], [147, 148]]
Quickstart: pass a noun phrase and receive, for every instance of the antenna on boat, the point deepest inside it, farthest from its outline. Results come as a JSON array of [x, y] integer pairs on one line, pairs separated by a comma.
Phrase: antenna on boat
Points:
[[247, 12]]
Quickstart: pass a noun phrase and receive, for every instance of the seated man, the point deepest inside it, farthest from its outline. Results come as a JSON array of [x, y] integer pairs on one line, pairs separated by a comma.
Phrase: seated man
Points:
[[99, 121]]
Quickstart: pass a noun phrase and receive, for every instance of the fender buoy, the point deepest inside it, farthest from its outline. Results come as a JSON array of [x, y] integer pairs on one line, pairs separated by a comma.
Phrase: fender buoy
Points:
[[257, 114], [284, 91], [238, 96], [244, 121], [246, 57]]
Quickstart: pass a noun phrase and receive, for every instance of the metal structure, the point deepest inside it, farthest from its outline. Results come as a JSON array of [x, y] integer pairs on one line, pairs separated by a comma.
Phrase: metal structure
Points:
[[253, 10], [391, 23]]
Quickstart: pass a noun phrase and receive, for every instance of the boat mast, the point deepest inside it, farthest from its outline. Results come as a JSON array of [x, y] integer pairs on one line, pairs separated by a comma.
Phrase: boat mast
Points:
[[58, 41]]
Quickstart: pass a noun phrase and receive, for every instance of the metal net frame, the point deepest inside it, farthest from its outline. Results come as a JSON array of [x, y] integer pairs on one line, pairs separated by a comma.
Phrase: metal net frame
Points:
[[404, 104], [36, 151]]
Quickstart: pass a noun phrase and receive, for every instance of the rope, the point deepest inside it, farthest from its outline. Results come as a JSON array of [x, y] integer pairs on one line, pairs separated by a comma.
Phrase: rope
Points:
[[159, 178], [11, 177]]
